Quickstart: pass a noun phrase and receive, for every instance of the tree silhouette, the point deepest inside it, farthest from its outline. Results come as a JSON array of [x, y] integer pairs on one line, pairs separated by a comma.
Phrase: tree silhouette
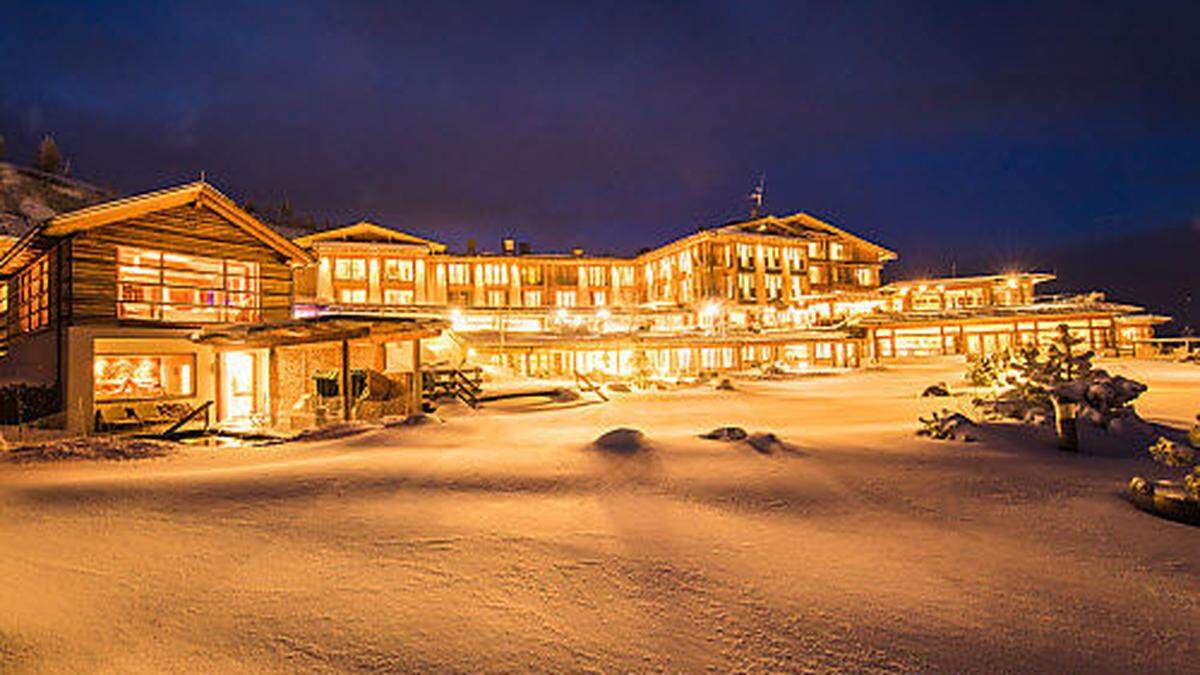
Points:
[[48, 158]]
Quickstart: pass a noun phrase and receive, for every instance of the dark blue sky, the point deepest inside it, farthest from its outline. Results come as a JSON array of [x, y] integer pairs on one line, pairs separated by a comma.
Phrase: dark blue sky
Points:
[[926, 126]]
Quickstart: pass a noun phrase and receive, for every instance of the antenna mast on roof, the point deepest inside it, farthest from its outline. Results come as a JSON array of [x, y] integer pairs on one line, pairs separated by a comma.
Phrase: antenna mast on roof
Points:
[[758, 196]]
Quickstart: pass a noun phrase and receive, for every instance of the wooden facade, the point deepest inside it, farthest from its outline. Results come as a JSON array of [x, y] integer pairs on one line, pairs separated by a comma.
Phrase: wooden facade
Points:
[[91, 278]]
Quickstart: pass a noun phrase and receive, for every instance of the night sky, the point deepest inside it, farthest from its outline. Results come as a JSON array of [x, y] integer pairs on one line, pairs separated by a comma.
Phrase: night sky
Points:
[[928, 127]]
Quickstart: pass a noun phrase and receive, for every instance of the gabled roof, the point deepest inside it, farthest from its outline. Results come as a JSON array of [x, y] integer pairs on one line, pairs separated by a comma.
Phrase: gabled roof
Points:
[[368, 232], [198, 194], [105, 213], [803, 226]]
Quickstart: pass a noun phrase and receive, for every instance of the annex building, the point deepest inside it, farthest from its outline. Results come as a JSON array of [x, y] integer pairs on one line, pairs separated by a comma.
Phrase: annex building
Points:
[[148, 306]]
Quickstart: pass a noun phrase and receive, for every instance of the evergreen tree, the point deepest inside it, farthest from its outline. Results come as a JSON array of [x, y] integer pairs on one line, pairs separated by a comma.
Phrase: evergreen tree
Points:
[[3, 147], [48, 158]]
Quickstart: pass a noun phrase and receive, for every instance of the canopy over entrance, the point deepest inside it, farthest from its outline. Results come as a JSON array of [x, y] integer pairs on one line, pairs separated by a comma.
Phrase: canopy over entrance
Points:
[[273, 339], [327, 328]]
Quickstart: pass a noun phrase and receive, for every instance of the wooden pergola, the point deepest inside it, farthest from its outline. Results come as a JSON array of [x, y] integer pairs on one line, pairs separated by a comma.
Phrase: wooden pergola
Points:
[[336, 328]]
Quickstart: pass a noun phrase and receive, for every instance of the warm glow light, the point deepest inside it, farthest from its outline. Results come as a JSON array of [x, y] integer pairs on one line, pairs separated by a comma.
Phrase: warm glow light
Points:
[[561, 313], [603, 314]]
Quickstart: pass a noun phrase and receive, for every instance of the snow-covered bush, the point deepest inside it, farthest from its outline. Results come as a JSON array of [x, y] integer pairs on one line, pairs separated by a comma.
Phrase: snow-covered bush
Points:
[[945, 426], [1172, 454], [1031, 379], [986, 370]]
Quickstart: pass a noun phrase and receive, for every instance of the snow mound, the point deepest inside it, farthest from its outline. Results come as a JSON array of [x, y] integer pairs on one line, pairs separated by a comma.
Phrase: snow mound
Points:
[[333, 431], [90, 447], [725, 384], [566, 396], [939, 389], [765, 442], [726, 434], [419, 419], [622, 440]]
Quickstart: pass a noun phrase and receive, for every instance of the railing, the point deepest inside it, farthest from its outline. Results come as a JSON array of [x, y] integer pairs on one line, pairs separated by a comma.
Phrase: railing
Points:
[[462, 384], [586, 383], [202, 408]]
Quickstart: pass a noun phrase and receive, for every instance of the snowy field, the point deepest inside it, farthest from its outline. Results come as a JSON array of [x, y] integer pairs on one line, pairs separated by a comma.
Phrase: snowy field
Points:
[[499, 541]]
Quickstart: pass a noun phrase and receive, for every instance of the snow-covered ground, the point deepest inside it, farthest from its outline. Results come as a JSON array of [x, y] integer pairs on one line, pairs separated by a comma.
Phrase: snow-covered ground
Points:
[[500, 541]]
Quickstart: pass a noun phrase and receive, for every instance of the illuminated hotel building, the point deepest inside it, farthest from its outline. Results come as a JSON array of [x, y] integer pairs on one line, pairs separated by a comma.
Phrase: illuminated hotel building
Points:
[[137, 308], [780, 292]]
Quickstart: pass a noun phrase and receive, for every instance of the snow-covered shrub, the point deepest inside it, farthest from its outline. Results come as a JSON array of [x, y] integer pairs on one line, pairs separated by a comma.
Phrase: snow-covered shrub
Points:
[[984, 370], [726, 434], [939, 389], [1031, 379], [945, 426], [1172, 454]]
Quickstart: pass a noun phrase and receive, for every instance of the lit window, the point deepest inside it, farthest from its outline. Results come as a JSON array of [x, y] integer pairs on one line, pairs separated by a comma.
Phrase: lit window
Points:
[[745, 256], [496, 298], [865, 276], [177, 288], [33, 296], [746, 287], [354, 269], [598, 298], [565, 298], [815, 276], [533, 298], [354, 295], [392, 296], [531, 275], [395, 269], [837, 251], [495, 275], [458, 273], [774, 286], [142, 377]]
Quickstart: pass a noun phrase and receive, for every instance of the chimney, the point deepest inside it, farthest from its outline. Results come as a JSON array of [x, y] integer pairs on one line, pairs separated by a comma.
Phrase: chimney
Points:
[[471, 246], [523, 248], [577, 252], [509, 246]]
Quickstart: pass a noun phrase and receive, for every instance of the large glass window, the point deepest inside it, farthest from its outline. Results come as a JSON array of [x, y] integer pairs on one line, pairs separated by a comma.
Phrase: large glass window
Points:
[[356, 296], [33, 293], [531, 274], [133, 377], [396, 269], [459, 273], [393, 296], [353, 269], [177, 288]]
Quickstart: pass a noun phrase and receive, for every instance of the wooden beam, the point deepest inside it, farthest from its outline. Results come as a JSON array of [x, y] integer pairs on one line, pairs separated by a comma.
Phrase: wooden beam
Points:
[[415, 396], [346, 380]]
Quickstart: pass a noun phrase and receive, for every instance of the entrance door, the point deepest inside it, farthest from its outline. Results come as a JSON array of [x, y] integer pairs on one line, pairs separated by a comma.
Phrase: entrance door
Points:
[[239, 385]]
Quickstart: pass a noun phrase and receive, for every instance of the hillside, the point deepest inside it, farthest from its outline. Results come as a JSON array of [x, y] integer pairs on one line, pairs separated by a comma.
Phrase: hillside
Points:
[[28, 196], [1159, 270]]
